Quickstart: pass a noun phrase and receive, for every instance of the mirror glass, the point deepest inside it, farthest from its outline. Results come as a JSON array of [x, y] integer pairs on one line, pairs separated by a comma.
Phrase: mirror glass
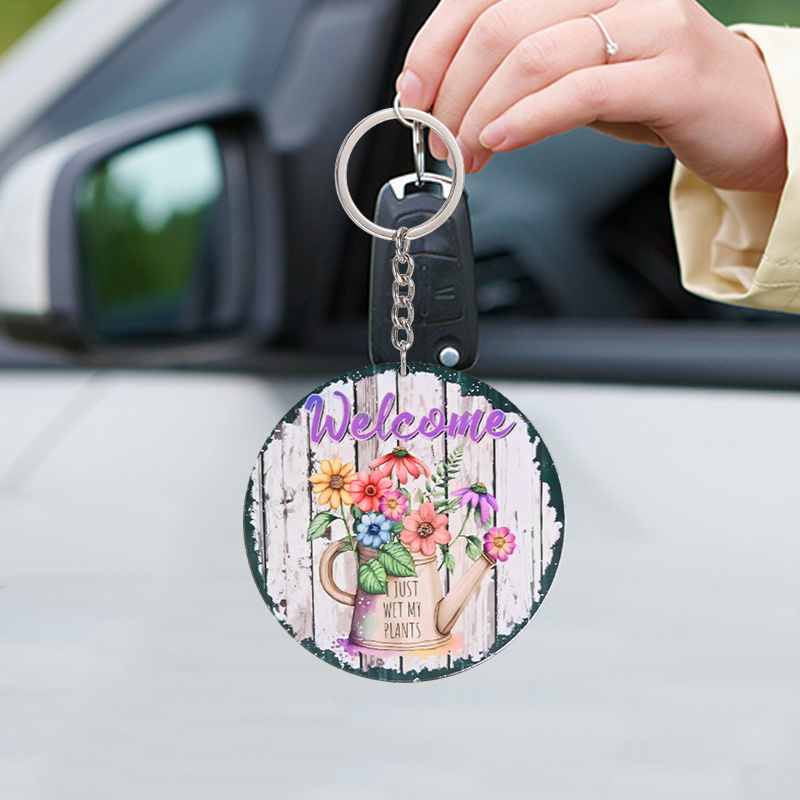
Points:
[[153, 228]]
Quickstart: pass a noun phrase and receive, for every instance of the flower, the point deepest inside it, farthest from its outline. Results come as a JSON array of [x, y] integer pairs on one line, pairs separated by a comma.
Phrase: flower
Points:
[[332, 484], [394, 505], [424, 529], [499, 543], [373, 530], [368, 488], [475, 495], [405, 464]]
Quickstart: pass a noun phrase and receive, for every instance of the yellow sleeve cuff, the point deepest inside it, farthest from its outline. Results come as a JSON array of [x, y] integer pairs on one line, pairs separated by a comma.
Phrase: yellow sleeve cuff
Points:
[[744, 247]]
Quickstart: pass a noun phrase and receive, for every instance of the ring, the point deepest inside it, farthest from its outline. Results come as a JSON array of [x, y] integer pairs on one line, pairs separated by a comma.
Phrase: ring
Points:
[[611, 47], [346, 150]]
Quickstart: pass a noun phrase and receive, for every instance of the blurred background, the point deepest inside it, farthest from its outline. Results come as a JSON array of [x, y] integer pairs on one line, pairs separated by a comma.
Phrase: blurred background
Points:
[[205, 278], [16, 16]]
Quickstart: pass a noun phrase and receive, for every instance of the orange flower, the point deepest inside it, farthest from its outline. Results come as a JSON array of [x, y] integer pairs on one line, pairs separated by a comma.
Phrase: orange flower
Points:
[[368, 488], [331, 485], [424, 529], [405, 464]]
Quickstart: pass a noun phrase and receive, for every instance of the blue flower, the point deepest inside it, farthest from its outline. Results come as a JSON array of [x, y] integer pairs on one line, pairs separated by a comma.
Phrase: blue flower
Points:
[[373, 530]]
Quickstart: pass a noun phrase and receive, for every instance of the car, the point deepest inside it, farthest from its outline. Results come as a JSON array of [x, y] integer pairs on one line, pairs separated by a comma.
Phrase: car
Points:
[[137, 655]]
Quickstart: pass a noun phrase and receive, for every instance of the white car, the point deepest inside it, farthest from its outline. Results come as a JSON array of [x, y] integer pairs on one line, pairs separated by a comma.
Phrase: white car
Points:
[[137, 658]]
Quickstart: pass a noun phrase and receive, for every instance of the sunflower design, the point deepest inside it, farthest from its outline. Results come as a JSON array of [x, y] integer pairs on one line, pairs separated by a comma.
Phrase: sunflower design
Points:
[[331, 484]]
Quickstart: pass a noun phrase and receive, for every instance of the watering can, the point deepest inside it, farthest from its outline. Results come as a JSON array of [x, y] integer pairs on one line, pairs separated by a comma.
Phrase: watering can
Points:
[[414, 614]]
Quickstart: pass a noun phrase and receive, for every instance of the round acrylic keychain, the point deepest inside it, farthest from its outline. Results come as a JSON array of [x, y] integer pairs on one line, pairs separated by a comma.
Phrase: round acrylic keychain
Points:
[[403, 521]]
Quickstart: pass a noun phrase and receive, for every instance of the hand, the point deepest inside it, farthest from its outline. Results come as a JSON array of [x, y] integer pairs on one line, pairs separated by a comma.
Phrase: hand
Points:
[[504, 74]]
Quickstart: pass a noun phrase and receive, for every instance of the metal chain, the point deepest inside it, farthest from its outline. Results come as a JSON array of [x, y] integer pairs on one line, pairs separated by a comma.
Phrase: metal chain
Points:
[[402, 299]]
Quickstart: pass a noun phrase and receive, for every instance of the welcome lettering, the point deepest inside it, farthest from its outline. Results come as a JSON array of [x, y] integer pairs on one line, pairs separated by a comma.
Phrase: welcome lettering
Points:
[[404, 426]]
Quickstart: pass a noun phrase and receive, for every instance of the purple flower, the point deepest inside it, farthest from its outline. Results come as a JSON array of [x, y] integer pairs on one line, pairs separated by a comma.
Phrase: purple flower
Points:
[[476, 495]]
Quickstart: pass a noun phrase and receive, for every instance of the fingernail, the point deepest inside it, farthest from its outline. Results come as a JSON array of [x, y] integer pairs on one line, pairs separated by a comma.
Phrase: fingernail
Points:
[[494, 134], [410, 88], [468, 159], [437, 147]]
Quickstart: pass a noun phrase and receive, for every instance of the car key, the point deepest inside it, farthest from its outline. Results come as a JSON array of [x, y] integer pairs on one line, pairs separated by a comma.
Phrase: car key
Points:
[[446, 316]]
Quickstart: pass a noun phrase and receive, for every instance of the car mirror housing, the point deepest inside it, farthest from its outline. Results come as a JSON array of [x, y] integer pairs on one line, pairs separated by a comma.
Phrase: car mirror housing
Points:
[[160, 227]]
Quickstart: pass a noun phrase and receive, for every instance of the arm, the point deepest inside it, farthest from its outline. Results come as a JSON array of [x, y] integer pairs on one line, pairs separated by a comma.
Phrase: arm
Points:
[[744, 247]]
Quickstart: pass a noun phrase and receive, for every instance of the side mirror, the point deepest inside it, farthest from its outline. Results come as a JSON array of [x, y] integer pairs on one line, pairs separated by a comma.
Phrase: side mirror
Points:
[[159, 227]]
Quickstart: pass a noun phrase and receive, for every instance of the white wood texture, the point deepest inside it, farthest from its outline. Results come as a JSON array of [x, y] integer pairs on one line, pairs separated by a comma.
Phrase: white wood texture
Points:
[[477, 621], [331, 618], [369, 393], [288, 506], [283, 505], [518, 488], [417, 396]]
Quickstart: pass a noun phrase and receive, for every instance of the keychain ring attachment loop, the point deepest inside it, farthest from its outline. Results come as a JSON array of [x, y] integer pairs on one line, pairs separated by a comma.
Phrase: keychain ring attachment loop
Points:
[[346, 150], [398, 113]]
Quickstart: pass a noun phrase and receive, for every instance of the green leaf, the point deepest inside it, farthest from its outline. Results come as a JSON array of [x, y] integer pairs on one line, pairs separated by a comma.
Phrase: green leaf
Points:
[[447, 506], [397, 527], [450, 562], [474, 547], [346, 547], [372, 577], [477, 515], [319, 525], [420, 496], [396, 560], [356, 512]]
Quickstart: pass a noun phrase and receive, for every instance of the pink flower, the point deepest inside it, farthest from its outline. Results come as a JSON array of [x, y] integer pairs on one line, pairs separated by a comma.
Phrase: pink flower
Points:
[[402, 461], [368, 488], [478, 495], [393, 505], [424, 529], [499, 543]]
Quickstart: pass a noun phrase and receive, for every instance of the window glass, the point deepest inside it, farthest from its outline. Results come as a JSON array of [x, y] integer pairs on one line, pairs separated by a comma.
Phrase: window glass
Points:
[[146, 218]]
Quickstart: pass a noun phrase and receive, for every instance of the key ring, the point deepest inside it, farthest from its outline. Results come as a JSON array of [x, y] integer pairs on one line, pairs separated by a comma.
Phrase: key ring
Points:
[[346, 150], [418, 148]]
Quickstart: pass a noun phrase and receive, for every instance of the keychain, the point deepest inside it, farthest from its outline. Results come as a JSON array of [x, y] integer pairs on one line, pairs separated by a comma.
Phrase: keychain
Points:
[[445, 314], [404, 521]]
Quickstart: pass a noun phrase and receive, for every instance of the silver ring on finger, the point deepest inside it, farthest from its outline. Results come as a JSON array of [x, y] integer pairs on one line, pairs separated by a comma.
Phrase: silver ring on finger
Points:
[[611, 47]]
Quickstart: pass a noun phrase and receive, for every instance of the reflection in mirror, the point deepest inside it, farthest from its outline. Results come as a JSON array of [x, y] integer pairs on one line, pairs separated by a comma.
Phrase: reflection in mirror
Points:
[[152, 223]]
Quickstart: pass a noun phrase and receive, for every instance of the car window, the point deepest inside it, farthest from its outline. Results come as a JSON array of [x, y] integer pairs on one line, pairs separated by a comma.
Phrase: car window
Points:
[[576, 267]]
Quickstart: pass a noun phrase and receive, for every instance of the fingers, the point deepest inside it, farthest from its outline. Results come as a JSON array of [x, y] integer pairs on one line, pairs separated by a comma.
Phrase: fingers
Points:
[[492, 35], [433, 49], [465, 41], [623, 92], [537, 61]]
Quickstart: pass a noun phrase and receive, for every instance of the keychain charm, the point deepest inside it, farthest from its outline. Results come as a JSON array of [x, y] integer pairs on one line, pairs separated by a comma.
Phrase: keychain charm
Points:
[[404, 521]]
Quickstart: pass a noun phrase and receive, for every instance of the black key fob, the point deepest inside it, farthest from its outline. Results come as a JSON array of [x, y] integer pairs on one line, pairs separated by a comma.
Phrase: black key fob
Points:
[[445, 310]]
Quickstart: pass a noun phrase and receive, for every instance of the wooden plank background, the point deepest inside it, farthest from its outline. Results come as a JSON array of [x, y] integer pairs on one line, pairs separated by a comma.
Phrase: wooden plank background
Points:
[[282, 505]]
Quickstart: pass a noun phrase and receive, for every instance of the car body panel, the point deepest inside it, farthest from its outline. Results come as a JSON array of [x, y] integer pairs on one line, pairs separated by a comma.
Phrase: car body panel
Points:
[[139, 659]]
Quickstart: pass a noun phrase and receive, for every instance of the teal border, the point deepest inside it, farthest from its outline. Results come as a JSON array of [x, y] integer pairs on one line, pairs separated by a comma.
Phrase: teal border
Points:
[[469, 386]]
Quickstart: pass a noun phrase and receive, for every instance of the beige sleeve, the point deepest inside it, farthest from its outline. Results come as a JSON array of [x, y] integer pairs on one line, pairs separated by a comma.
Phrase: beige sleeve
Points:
[[744, 247]]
